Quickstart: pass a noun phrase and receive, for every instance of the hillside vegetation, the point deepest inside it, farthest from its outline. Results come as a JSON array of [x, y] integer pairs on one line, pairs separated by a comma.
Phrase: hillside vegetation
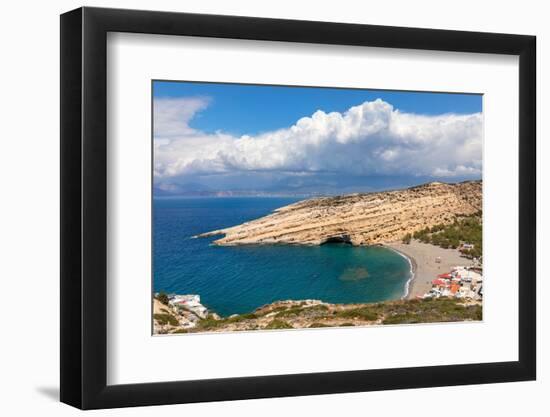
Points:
[[465, 230], [316, 314]]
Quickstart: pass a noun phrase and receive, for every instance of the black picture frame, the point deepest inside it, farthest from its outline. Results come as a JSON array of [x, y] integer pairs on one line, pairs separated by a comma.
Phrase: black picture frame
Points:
[[84, 207]]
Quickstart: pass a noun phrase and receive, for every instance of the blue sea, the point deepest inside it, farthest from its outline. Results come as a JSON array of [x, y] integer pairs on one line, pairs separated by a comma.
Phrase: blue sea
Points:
[[239, 279]]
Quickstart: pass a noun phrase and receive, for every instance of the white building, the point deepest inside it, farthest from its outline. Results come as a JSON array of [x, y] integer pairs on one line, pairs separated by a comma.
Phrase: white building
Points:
[[190, 302]]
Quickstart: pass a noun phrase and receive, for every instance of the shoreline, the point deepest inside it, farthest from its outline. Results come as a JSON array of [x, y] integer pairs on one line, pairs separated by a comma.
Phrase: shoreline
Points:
[[413, 267], [423, 257], [185, 313], [423, 269]]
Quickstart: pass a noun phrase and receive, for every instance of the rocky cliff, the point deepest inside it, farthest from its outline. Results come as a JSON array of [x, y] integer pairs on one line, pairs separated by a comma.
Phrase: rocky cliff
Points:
[[359, 219]]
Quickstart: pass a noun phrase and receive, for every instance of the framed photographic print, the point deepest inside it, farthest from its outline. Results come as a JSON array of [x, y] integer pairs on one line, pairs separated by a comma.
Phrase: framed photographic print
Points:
[[257, 208]]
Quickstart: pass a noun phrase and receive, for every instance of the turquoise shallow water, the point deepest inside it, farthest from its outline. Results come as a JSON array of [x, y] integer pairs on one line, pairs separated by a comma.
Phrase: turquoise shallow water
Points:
[[240, 279]]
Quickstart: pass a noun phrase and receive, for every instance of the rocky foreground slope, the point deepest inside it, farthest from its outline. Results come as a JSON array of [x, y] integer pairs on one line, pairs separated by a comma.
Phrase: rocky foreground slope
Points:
[[316, 314], [359, 219]]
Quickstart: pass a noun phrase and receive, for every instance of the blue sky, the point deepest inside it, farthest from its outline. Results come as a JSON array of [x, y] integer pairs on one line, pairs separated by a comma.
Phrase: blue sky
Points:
[[234, 107], [212, 137]]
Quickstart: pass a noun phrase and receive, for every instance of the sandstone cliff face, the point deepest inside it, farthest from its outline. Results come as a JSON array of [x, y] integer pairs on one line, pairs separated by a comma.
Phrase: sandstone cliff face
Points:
[[359, 219]]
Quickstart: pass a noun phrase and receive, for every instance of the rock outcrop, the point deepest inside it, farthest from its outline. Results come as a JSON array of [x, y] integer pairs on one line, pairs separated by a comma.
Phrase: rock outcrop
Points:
[[359, 219], [316, 314]]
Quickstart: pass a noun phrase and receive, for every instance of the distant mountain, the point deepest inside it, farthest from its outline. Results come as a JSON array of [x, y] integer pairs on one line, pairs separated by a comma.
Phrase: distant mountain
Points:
[[199, 190], [190, 188], [328, 185]]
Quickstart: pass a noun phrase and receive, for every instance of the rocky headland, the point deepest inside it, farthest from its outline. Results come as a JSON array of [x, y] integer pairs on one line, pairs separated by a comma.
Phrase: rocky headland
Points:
[[359, 219]]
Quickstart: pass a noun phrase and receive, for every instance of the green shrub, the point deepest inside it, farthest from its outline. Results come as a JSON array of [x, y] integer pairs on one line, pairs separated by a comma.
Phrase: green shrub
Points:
[[162, 297], [293, 311], [318, 324], [164, 319], [362, 313], [405, 318], [277, 309], [430, 311], [240, 317], [278, 324], [319, 310], [180, 331], [466, 229], [478, 313], [210, 323]]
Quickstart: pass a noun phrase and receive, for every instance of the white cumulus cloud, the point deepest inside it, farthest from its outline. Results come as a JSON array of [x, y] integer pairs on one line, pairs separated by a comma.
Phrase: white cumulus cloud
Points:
[[371, 138], [171, 116]]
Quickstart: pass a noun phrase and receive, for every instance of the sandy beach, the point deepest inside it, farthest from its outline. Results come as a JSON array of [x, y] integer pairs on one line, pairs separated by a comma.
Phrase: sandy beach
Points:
[[423, 257]]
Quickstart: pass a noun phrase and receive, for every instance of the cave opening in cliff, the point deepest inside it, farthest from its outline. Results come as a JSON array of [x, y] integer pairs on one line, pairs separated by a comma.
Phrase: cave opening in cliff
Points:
[[338, 239]]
